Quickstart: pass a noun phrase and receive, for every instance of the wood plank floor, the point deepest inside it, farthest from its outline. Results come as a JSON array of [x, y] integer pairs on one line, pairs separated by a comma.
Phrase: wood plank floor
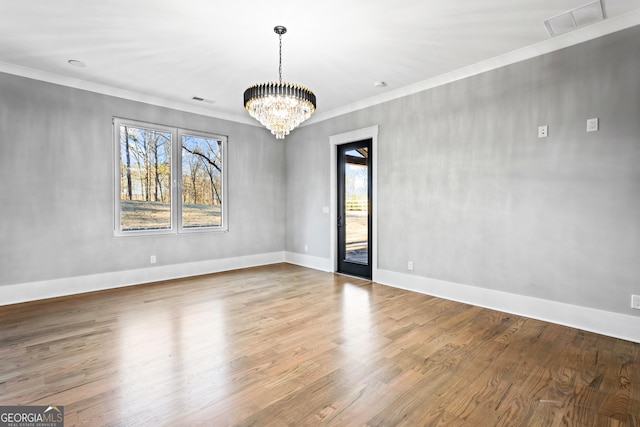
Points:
[[283, 345]]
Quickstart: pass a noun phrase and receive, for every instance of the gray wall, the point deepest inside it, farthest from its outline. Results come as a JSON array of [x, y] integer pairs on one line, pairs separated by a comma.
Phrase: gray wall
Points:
[[469, 193], [57, 191]]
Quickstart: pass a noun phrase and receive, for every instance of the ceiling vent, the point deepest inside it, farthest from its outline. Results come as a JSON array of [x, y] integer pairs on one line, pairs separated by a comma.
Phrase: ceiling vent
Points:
[[579, 17]]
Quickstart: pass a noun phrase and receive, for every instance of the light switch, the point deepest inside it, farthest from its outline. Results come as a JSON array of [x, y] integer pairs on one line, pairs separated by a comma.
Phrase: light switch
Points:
[[592, 125]]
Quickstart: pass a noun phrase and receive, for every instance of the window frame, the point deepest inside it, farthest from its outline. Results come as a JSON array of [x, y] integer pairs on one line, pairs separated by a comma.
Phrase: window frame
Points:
[[179, 185], [175, 187]]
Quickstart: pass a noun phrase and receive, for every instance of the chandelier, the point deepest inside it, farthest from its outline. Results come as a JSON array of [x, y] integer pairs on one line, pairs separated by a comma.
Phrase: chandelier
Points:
[[280, 107]]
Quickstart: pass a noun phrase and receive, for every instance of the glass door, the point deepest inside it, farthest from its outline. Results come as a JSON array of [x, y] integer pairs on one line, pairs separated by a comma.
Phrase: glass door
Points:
[[354, 208]]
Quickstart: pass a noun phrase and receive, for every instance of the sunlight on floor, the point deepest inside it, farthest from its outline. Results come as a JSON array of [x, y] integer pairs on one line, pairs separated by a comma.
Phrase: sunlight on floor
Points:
[[356, 320]]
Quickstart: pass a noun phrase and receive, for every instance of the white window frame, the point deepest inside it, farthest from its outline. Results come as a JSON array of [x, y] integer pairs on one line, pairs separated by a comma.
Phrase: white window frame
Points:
[[176, 180]]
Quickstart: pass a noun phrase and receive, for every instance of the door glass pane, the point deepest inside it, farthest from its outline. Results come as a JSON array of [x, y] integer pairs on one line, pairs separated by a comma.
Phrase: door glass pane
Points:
[[356, 206]]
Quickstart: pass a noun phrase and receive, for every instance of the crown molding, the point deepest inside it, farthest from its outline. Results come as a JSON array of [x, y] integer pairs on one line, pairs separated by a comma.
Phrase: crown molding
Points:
[[594, 31], [71, 82]]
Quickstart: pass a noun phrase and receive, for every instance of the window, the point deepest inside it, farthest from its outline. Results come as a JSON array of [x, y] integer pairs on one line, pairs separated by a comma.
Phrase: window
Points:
[[168, 180], [201, 180]]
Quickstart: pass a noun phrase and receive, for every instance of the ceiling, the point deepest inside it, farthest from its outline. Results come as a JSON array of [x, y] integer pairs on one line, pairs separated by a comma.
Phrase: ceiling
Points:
[[167, 52]]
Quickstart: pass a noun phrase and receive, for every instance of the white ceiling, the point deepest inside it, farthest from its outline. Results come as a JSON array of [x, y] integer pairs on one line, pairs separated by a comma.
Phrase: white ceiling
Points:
[[169, 51]]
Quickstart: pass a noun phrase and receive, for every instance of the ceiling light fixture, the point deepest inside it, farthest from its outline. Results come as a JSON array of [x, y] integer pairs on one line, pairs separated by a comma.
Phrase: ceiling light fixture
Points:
[[280, 107]]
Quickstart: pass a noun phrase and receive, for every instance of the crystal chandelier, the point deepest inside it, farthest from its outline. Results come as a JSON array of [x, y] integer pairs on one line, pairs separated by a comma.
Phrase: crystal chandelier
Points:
[[280, 107]]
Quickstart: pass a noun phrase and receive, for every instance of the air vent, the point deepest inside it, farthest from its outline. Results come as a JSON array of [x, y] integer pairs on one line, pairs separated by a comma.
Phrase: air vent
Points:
[[76, 63], [579, 17], [201, 99]]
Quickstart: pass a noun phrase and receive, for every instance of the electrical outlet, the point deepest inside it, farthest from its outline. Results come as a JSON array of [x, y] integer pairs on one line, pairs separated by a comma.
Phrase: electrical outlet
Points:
[[635, 302], [543, 131], [152, 259], [592, 125], [410, 265]]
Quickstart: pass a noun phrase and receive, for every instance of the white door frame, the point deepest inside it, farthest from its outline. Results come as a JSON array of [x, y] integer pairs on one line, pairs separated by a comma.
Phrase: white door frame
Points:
[[345, 138]]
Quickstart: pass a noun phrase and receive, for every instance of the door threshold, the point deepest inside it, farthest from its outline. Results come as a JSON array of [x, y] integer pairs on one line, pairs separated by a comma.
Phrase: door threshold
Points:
[[351, 275]]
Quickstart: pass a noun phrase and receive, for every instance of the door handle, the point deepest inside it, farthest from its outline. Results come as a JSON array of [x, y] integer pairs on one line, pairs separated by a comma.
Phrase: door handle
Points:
[[339, 220]]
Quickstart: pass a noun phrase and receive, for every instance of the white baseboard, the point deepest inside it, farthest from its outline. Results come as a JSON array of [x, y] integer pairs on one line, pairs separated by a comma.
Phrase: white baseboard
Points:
[[602, 322], [31, 291], [317, 263], [589, 319]]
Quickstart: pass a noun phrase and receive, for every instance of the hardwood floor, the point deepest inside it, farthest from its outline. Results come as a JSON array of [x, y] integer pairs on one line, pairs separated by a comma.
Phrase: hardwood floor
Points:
[[284, 345]]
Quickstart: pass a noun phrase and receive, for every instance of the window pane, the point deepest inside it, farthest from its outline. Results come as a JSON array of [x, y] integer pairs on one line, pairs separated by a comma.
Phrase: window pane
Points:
[[201, 181], [145, 179]]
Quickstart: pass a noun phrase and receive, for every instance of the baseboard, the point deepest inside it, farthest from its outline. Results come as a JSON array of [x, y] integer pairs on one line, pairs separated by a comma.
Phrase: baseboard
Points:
[[317, 263], [589, 319], [31, 291]]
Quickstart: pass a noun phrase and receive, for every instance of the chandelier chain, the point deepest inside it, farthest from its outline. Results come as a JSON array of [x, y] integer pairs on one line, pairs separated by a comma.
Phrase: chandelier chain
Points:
[[280, 63]]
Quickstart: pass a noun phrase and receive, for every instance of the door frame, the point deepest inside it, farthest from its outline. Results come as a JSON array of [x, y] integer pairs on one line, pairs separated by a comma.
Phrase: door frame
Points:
[[345, 138], [345, 265]]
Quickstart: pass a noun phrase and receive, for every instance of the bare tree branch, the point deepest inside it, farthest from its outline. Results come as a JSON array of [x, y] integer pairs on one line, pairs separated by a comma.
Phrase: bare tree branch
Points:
[[197, 152]]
